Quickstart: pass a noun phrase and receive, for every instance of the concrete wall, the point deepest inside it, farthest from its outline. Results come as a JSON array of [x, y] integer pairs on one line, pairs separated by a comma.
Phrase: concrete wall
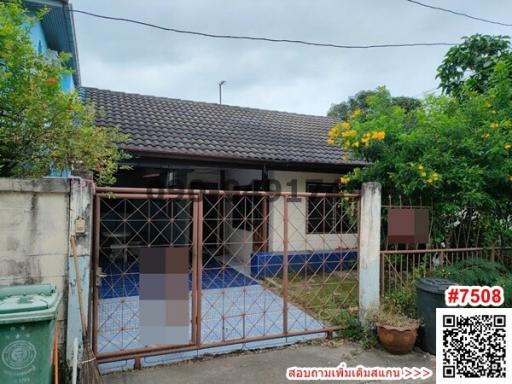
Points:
[[37, 219], [38, 38], [40, 45], [34, 234]]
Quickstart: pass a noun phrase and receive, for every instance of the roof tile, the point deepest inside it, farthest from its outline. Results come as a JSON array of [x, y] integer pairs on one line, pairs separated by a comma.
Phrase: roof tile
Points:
[[178, 126]]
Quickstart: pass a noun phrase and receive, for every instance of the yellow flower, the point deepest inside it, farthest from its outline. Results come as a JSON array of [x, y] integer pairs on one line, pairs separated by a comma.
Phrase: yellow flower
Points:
[[486, 135], [493, 112], [423, 174], [429, 180], [344, 180], [356, 144], [330, 141], [435, 176], [510, 178], [333, 132], [494, 125], [345, 125], [378, 135], [356, 112], [345, 157], [420, 167], [487, 104], [349, 133], [508, 146]]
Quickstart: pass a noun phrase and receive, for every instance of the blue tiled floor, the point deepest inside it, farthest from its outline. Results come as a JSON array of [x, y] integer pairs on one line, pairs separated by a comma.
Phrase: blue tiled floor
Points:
[[233, 306], [227, 314], [123, 280]]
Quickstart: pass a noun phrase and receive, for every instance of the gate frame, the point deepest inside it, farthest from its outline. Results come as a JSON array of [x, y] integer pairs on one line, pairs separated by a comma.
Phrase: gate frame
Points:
[[196, 195]]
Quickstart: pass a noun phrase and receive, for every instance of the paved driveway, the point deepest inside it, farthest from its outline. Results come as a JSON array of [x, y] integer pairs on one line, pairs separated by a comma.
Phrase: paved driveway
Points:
[[269, 366]]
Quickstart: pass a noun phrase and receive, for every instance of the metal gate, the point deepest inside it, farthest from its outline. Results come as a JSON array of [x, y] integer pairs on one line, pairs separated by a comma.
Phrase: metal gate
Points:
[[262, 265]]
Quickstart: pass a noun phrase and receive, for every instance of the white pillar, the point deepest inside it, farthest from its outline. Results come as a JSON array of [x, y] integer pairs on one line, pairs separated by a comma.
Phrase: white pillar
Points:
[[80, 226], [369, 248]]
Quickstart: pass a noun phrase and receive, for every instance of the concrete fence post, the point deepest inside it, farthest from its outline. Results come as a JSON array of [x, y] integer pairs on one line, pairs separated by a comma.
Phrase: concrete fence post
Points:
[[369, 248], [80, 226]]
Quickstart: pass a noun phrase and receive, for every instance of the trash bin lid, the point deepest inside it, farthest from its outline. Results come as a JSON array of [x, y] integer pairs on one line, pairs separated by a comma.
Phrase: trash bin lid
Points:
[[28, 303], [434, 284]]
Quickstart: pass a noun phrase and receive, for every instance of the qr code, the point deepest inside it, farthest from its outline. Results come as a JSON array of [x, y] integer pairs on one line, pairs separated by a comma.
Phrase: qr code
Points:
[[473, 343]]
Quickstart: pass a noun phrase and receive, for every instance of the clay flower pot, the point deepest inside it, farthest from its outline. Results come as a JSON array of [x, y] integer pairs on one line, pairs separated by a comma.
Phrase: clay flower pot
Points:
[[397, 340]]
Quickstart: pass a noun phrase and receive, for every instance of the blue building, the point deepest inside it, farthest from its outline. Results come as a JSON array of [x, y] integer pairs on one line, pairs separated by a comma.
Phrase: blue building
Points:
[[56, 33]]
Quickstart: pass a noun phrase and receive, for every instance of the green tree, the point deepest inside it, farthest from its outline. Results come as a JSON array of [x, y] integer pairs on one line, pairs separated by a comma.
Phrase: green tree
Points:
[[470, 64], [455, 152], [42, 127], [359, 101]]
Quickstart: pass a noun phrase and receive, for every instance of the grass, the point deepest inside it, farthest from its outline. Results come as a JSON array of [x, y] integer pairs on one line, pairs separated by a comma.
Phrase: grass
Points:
[[324, 296]]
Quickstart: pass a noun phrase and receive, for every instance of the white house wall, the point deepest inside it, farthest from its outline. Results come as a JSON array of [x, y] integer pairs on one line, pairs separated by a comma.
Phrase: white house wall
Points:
[[298, 239]]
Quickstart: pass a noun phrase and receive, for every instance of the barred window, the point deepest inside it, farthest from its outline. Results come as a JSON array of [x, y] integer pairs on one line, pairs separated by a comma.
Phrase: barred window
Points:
[[323, 213]]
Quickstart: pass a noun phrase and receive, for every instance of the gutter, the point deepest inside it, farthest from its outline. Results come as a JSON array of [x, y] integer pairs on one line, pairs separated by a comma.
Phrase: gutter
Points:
[[235, 162]]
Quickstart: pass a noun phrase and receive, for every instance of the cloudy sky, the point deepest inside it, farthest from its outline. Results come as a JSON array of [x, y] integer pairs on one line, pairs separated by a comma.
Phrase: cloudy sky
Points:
[[131, 58]]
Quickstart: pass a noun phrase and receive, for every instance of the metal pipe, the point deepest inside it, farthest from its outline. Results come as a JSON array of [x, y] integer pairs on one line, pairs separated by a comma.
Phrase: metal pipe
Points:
[[416, 251], [143, 196], [221, 83], [199, 266], [163, 191], [194, 270], [163, 350], [95, 266], [285, 265]]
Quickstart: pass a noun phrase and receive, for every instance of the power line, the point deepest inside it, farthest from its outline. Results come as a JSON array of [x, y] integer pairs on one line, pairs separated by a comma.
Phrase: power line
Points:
[[265, 39], [459, 13], [428, 91]]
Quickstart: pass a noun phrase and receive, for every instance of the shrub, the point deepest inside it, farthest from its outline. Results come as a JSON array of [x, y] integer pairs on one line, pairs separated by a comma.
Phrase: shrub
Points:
[[41, 127], [353, 330], [387, 315], [472, 272], [506, 283], [402, 300]]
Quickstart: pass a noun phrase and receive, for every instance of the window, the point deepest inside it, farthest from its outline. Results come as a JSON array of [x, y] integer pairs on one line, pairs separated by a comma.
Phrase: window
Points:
[[323, 213]]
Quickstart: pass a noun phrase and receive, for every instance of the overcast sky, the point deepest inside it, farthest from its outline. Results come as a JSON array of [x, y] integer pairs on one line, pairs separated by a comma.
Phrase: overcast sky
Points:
[[131, 58]]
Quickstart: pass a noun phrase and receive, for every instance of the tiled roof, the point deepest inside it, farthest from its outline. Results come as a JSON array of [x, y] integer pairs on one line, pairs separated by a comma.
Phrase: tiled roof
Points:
[[180, 127]]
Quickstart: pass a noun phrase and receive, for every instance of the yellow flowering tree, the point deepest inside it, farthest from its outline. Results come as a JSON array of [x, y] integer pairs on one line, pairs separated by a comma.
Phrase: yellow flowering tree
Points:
[[452, 151]]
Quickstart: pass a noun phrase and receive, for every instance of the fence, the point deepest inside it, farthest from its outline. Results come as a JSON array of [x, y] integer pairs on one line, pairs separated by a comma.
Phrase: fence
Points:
[[449, 240], [400, 267], [262, 265]]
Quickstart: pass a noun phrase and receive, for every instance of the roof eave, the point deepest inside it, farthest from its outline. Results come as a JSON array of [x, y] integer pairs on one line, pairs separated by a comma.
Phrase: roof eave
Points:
[[64, 20], [239, 162]]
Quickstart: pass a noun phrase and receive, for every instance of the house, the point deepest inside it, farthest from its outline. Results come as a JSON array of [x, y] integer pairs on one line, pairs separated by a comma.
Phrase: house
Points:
[[245, 203], [196, 145], [251, 193], [55, 33]]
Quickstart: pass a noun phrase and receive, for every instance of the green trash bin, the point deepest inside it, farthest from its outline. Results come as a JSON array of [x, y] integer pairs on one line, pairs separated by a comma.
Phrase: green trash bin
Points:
[[27, 321], [429, 296]]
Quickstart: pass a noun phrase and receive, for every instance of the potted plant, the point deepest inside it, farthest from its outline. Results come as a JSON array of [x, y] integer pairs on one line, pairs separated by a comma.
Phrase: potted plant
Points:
[[396, 332]]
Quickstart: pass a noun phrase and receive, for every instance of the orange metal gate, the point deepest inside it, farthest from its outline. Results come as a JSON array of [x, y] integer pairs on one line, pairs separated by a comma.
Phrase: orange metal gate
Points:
[[263, 265]]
